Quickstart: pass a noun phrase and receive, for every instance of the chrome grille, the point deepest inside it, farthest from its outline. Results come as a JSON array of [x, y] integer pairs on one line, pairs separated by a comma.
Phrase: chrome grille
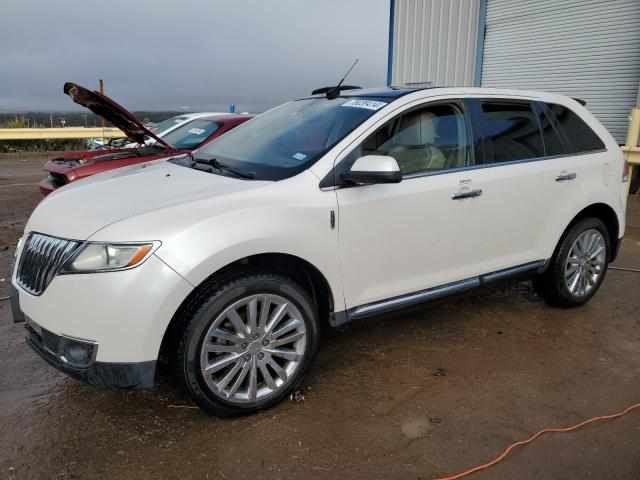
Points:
[[41, 258]]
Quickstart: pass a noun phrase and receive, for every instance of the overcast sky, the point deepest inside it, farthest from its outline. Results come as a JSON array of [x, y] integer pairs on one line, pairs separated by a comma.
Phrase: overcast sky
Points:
[[156, 55]]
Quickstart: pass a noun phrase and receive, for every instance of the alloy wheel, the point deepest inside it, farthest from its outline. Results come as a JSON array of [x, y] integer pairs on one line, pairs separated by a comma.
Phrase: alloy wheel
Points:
[[253, 348], [585, 264]]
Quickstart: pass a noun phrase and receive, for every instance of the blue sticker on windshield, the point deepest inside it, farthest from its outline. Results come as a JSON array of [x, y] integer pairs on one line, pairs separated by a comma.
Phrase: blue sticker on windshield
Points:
[[299, 156], [361, 103]]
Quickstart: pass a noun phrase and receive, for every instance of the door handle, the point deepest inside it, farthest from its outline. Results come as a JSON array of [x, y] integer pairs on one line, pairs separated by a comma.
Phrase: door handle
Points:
[[566, 176], [470, 194]]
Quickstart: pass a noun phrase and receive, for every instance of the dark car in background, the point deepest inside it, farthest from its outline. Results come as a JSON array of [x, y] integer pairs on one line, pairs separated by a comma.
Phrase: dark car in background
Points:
[[189, 136]]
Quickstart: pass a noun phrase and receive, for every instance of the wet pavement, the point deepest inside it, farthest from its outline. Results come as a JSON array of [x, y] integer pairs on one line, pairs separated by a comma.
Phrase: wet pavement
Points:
[[410, 395]]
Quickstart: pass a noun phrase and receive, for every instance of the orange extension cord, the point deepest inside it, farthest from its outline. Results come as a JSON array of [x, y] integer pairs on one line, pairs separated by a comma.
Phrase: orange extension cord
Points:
[[528, 440]]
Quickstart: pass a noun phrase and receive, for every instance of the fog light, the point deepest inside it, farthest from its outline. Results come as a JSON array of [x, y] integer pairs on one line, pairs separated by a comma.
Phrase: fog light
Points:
[[78, 353]]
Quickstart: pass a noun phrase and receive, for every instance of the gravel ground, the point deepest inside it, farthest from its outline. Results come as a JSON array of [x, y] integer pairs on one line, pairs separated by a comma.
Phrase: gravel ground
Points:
[[411, 395]]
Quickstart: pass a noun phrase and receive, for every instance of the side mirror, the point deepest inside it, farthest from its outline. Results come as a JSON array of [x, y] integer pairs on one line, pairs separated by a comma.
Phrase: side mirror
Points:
[[372, 169]]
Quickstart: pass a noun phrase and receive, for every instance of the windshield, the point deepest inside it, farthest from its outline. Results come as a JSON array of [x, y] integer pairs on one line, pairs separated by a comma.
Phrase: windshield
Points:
[[287, 140], [160, 128], [191, 134]]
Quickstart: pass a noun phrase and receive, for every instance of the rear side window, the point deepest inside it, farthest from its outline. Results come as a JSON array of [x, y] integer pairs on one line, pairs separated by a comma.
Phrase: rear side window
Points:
[[513, 130], [581, 138]]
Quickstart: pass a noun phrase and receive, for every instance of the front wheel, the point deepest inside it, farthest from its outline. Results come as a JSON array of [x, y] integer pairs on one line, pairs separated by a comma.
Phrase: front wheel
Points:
[[249, 344], [578, 266]]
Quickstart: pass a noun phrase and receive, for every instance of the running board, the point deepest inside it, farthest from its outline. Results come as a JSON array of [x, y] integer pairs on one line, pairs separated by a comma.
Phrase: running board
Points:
[[434, 293]]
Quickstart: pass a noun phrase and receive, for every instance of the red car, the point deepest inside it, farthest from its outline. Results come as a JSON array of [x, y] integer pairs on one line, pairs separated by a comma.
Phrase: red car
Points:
[[74, 166]]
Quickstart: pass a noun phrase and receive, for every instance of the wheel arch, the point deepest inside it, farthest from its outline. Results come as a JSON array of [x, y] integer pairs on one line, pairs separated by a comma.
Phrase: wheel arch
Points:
[[607, 215], [295, 267]]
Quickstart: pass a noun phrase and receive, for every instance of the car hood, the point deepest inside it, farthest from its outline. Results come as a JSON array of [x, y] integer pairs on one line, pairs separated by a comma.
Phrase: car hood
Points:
[[80, 209], [62, 164], [112, 112], [82, 158]]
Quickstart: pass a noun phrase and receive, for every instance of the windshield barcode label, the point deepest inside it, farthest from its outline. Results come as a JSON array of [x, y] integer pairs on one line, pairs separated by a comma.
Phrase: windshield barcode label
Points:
[[368, 104]]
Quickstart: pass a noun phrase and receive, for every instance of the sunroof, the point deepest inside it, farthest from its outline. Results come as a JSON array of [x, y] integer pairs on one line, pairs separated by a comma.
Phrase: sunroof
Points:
[[381, 92], [386, 92]]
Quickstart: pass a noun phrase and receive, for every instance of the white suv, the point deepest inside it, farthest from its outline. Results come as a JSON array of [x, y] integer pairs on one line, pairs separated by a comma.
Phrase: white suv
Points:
[[319, 212]]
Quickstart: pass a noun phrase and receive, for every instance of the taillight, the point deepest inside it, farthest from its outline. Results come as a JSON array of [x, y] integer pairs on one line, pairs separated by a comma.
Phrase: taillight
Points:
[[626, 172]]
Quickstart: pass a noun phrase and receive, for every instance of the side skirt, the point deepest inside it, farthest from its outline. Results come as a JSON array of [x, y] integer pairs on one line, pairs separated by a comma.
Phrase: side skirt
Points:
[[395, 303]]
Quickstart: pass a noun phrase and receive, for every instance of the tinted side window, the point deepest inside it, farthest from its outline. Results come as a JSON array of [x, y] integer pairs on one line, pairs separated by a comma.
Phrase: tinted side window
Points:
[[581, 137], [513, 130], [424, 140], [552, 142]]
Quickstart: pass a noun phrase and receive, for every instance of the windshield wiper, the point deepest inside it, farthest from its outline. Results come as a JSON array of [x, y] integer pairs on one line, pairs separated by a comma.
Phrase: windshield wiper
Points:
[[154, 146], [212, 162]]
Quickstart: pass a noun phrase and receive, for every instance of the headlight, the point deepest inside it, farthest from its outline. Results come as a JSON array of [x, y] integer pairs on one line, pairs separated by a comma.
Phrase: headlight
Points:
[[100, 257]]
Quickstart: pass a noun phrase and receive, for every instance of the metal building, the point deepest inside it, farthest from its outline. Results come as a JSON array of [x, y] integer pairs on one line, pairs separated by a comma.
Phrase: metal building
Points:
[[582, 48]]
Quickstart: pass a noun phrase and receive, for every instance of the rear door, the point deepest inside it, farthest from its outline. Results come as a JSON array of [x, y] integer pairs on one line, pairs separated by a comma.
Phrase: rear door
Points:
[[602, 171], [536, 186]]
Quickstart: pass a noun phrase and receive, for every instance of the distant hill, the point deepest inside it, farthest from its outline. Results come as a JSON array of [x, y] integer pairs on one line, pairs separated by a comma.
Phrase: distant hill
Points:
[[74, 119]]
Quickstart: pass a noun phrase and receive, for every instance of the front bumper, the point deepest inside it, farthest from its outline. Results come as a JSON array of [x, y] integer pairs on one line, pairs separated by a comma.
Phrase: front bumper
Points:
[[14, 298], [114, 375], [47, 186], [126, 313]]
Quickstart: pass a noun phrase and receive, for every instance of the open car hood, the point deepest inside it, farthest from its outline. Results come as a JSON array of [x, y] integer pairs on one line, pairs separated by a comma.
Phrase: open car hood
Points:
[[106, 108]]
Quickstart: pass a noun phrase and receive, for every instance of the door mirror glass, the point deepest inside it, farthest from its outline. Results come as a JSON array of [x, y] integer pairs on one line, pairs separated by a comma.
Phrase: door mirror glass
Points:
[[372, 169]]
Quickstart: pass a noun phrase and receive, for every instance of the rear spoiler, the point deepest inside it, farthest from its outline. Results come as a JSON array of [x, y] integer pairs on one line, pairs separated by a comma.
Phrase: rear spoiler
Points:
[[580, 101]]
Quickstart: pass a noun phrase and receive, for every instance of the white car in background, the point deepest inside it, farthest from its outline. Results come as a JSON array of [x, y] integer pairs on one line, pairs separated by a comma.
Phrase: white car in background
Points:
[[161, 128], [170, 124], [229, 261]]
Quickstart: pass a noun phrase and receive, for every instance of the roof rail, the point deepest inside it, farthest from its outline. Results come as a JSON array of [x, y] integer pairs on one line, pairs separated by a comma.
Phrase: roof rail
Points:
[[424, 84], [412, 85]]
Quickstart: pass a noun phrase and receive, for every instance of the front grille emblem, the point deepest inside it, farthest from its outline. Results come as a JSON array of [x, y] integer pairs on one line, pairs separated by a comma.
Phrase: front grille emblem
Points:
[[40, 260]]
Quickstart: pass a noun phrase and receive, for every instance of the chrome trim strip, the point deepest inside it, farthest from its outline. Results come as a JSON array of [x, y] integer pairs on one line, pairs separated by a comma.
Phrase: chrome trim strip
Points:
[[412, 298], [439, 292], [444, 171], [507, 272], [478, 166], [548, 157]]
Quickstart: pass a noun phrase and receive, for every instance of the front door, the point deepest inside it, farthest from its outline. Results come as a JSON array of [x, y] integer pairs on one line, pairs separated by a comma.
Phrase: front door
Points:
[[429, 229]]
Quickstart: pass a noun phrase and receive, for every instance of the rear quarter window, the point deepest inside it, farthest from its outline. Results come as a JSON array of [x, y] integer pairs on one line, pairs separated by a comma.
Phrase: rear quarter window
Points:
[[582, 138]]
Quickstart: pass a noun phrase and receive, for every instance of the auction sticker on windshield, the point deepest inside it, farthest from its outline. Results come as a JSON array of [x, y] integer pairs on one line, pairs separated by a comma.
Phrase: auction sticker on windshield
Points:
[[361, 103], [196, 131]]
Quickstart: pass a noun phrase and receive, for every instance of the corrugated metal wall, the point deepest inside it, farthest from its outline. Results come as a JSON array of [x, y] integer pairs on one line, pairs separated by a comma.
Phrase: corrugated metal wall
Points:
[[581, 48], [434, 41]]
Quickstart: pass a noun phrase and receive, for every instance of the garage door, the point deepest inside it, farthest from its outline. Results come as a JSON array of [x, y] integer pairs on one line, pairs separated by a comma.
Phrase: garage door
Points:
[[582, 48]]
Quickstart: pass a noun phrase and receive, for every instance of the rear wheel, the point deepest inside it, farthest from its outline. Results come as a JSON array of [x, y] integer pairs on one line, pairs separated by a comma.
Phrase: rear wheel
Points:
[[578, 266], [249, 344]]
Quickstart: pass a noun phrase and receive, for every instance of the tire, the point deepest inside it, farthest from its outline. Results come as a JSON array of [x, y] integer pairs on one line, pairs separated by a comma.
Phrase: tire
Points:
[[240, 366], [558, 285]]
